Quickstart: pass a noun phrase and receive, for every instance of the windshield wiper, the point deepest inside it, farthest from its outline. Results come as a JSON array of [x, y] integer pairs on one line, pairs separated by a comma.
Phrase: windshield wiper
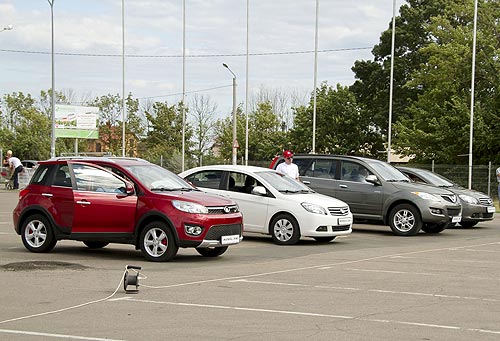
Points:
[[173, 189], [288, 191]]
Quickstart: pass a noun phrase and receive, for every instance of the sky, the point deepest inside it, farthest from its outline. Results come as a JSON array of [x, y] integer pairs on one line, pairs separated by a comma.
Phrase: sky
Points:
[[88, 46]]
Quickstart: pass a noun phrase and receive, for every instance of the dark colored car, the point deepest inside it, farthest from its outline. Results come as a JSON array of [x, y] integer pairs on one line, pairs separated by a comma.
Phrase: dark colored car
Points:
[[122, 200], [476, 206], [376, 191]]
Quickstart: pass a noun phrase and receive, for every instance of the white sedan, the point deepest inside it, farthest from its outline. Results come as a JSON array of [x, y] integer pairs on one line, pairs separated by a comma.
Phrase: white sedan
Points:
[[275, 204]]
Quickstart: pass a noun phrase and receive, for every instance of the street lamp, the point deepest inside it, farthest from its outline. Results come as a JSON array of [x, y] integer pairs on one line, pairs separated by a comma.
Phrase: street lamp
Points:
[[52, 98], [235, 142], [7, 28]]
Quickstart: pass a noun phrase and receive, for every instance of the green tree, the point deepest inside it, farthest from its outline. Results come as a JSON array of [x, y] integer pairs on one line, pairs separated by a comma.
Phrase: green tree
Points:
[[164, 138], [265, 136], [438, 125], [341, 126], [373, 77], [20, 115]]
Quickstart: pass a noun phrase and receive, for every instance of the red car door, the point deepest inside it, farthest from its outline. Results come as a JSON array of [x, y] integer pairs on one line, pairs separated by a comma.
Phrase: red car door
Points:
[[101, 204]]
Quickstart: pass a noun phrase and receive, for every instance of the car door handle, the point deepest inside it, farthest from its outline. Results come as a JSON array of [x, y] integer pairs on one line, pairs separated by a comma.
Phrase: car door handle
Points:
[[83, 202], [343, 186], [49, 195]]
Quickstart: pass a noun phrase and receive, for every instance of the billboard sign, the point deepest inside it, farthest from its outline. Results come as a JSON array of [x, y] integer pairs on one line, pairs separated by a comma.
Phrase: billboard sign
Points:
[[76, 122]]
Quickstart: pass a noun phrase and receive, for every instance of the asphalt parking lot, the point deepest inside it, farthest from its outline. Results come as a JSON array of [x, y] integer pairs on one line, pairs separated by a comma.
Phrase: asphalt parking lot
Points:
[[370, 285]]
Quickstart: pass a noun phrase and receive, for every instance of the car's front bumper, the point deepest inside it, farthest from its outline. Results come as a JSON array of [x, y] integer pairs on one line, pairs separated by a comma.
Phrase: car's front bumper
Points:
[[476, 213]]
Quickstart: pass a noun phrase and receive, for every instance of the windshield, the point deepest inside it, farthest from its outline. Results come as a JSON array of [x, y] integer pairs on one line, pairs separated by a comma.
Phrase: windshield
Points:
[[436, 179], [388, 172], [284, 183], [158, 178]]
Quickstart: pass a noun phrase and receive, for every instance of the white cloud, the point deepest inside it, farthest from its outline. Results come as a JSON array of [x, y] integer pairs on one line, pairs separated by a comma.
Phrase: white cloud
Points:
[[154, 28]]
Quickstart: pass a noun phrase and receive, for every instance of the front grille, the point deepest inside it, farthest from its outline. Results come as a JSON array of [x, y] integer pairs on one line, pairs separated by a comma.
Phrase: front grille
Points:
[[217, 231], [486, 201], [340, 228], [449, 197], [339, 211], [453, 212], [223, 209]]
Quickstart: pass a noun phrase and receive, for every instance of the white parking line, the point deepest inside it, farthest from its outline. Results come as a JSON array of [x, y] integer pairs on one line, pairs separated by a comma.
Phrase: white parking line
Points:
[[61, 336], [366, 290], [300, 313], [395, 272]]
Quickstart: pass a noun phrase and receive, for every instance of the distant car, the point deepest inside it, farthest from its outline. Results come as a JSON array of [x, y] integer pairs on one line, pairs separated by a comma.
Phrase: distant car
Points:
[[29, 163], [127, 201], [275, 204], [476, 206], [376, 191]]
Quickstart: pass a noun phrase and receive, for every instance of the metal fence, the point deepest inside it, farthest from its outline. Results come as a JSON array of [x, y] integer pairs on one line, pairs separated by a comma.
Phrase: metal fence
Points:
[[483, 176]]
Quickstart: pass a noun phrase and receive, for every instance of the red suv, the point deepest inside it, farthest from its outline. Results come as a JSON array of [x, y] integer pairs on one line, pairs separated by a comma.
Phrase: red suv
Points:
[[123, 200]]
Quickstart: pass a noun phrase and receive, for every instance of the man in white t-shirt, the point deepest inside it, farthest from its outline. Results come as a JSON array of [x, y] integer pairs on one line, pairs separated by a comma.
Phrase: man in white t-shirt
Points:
[[498, 179], [288, 167], [16, 168]]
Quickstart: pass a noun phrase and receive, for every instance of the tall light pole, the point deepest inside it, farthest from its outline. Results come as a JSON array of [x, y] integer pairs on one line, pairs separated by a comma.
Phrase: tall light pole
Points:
[[53, 97], [7, 28], [472, 94], [315, 79], [246, 95], [234, 112], [183, 84], [123, 78], [391, 82]]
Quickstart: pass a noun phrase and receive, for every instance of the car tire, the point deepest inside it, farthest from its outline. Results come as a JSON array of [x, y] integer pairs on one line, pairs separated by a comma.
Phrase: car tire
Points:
[[95, 244], [405, 220], [37, 234], [434, 228], [468, 224], [157, 242], [284, 230], [324, 239], [211, 251]]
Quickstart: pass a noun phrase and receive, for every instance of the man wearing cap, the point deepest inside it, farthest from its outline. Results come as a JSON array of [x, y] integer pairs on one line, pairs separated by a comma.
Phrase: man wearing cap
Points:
[[288, 167]]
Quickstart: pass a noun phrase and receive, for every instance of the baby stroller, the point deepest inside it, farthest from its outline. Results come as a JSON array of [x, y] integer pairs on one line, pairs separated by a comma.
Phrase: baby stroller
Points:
[[9, 182]]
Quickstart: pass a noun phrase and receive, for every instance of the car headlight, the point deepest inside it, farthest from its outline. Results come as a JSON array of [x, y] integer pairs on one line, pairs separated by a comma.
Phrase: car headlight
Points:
[[468, 199], [314, 208], [427, 196], [189, 207]]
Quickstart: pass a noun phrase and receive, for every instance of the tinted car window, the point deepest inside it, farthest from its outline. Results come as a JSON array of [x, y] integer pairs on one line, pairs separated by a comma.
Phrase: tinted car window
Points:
[[206, 179], [303, 165], [40, 176], [352, 171], [96, 180], [62, 176]]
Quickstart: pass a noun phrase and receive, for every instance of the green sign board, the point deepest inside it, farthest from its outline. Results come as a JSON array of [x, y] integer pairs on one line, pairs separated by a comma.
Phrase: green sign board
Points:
[[76, 122]]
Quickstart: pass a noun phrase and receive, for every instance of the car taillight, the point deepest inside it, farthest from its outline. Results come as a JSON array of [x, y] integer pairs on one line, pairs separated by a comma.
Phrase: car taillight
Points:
[[23, 192]]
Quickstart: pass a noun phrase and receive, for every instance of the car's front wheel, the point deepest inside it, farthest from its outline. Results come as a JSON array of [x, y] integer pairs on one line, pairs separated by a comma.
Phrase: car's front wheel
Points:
[[37, 234], [211, 251], [157, 242], [405, 220], [284, 230]]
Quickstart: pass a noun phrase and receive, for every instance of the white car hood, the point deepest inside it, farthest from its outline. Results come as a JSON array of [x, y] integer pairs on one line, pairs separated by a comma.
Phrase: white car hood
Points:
[[316, 198]]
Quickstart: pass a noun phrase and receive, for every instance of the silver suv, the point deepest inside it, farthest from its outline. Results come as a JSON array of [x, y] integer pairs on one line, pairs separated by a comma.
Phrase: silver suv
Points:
[[376, 191]]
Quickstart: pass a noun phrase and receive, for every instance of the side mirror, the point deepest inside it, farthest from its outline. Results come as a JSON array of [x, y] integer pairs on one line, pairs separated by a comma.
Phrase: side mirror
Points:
[[305, 182], [259, 190], [372, 179]]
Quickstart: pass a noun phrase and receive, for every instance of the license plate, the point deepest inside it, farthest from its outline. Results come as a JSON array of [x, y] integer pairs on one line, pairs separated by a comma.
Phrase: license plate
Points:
[[491, 209], [345, 221], [232, 239], [456, 219]]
